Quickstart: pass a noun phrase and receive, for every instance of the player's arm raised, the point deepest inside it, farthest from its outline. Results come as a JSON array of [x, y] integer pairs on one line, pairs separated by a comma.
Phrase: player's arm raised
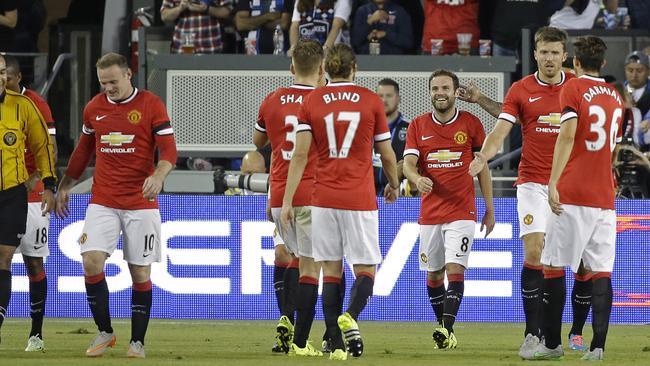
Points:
[[561, 154], [470, 93], [492, 143], [296, 169], [389, 164]]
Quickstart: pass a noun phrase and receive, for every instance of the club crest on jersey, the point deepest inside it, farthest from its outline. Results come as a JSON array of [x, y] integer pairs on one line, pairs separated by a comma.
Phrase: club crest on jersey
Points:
[[10, 138], [401, 135], [460, 137], [444, 159], [528, 219], [83, 238], [423, 257], [134, 116], [553, 120]]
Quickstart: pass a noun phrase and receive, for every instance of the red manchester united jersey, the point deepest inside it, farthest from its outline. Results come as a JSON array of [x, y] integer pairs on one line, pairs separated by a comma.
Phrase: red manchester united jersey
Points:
[[444, 151], [587, 178], [41, 104], [345, 121], [537, 106], [124, 146], [278, 118]]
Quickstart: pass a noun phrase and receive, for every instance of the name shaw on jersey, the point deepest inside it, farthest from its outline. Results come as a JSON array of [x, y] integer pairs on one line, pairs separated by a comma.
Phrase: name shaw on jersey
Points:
[[290, 98], [347, 96]]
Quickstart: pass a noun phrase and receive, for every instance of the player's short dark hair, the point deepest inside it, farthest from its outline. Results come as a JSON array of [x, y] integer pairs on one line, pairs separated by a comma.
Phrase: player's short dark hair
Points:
[[443, 72], [551, 34], [590, 51], [111, 59], [340, 61], [12, 63], [389, 82], [307, 56]]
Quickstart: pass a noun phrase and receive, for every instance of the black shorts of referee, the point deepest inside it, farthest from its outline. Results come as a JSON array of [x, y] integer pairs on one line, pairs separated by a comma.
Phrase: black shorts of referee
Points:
[[13, 215]]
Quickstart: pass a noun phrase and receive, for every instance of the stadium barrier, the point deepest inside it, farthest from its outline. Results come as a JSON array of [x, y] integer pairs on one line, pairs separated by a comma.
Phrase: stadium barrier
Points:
[[217, 263]]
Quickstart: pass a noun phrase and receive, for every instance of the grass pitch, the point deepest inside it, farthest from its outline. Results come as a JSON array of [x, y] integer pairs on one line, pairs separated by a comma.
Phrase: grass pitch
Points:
[[249, 343]]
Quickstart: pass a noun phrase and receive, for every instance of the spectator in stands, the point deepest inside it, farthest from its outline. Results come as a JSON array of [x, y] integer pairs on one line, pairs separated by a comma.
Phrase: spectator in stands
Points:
[[384, 22], [31, 20], [322, 20], [412, 8], [258, 19], [509, 18], [199, 18], [639, 14], [252, 162], [443, 19], [636, 80], [581, 14], [398, 124], [8, 20]]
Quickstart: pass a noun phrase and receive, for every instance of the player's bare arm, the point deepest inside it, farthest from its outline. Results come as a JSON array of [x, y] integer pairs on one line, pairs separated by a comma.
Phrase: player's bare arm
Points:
[[63, 196], [388, 161], [470, 93], [561, 154], [423, 184], [154, 183], [492, 143], [296, 169], [485, 183], [260, 139]]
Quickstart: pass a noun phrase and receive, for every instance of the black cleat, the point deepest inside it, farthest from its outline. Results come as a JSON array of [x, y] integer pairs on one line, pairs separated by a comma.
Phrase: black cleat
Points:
[[355, 347]]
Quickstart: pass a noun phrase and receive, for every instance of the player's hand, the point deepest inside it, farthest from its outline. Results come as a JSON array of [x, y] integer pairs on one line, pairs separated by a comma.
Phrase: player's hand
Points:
[[390, 194], [425, 185], [62, 198], [488, 222], [554, 200], [30, 183], [286, 217], [48, 202], [477, 164], [269, 215], [152, 186], [469, 93]]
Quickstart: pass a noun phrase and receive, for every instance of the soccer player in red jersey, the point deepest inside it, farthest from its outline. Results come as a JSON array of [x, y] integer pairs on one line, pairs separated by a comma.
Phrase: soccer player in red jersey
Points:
[[278, 123], [344, 121], [583, 227], [439, 146], [33, 245], [534, 102], [122, 126]]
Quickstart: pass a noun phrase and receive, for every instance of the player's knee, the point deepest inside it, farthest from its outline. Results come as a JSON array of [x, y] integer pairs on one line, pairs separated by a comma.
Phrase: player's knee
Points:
[[282, 255], [533, 245], [454, 268], [33, 265], [6, 254], [93, 263], [436, 275], [140, 274]]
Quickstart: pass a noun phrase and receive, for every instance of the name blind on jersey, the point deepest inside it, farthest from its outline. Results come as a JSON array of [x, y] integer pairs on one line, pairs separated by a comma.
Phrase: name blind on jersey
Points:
[[596, 90], [347, 96]]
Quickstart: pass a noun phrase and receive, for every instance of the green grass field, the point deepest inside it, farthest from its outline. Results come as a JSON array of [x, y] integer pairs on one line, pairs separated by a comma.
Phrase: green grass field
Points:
[[249, 343]]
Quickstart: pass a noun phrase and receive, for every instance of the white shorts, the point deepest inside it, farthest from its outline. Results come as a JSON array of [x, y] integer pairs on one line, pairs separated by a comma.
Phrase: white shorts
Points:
[[532, 208], [34, 242], [298, 237], [445, 243], [581, 233], [140, 233], [277, 239], [353, 234]]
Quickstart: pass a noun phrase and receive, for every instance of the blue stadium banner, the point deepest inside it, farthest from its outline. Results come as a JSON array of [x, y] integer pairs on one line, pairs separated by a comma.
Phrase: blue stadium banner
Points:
[[217, 263]]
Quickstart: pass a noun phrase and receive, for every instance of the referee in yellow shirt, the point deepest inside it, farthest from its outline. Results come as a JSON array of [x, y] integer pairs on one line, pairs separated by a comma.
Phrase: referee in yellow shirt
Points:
[[21, 125]]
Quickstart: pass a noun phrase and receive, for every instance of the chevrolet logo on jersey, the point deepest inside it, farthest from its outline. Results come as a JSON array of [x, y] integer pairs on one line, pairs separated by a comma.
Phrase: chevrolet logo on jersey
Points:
[[444, 159], [116, 139], [444, 156], [553, 120]]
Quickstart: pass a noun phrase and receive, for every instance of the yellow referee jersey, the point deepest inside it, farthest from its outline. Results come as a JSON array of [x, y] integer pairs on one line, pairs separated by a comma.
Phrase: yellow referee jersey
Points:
[[21, 123]]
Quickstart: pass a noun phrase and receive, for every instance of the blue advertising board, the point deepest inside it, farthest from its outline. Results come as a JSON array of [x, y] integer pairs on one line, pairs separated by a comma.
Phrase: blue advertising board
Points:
[[217, 263]]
